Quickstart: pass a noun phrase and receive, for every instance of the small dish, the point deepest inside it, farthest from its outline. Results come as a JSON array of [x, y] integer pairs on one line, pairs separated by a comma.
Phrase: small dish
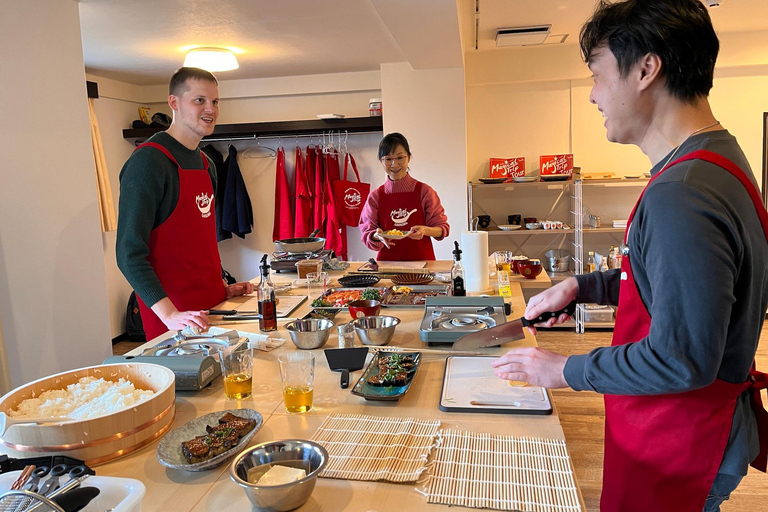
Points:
[[525, 179], [533, 225], [647, 174], [632, 176], [492, 180], [510, 227], [387, 393], [393, 237], [409, 279], [359, 281], [330, 116], [169, 450], [555, 177]]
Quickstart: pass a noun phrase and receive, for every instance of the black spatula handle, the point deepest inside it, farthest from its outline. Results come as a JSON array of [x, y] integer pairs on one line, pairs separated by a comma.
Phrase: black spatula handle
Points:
[[344, 378], [569, 310]]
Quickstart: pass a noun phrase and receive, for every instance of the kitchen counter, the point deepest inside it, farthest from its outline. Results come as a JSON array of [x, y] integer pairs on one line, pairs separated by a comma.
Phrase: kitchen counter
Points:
[[172, 490]]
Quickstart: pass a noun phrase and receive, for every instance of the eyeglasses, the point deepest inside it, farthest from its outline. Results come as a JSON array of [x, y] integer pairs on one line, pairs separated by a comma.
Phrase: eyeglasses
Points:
[[389, 161]]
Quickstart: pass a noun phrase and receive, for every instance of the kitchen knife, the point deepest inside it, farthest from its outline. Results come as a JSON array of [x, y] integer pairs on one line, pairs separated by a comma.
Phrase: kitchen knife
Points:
[[510, 331], [231, 312]]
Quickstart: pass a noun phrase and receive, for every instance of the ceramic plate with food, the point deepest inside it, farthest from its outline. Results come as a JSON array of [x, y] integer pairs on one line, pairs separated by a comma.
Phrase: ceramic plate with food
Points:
[[388, 376], [394, 234], [209, 441]]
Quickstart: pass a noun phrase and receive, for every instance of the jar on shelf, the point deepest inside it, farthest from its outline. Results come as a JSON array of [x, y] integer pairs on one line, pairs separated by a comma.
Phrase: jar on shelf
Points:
[[374, 107]]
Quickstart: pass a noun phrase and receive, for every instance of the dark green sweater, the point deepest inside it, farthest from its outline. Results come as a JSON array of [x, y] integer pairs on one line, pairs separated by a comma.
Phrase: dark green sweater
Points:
[[149, 191]]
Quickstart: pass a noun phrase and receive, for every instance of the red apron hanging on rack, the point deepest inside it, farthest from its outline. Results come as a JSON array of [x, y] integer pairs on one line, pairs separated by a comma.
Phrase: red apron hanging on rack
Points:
[[191, 279], [662, 452], [283, 223], [318, 211], [303, 223], [335, 232], [309, 172]]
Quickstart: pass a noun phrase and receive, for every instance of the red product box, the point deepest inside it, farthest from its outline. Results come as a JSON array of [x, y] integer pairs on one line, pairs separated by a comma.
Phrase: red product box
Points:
[[507, 168], [556, 165]]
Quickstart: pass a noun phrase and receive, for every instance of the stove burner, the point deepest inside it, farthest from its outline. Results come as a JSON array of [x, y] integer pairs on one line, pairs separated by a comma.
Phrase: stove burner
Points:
[[462, 322], [189, 348]]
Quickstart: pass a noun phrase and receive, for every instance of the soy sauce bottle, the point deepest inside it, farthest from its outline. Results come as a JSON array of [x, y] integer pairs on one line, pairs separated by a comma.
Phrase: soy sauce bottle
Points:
[[457, 273], [267, 303]]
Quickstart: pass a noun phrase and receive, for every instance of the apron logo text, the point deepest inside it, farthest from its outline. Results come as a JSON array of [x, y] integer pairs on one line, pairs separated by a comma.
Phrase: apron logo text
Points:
[[400, 216], [204, 203]]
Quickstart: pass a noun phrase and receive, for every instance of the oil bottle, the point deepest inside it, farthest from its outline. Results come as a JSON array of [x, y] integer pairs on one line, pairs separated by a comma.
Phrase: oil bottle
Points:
[[267, 303], [457, 273]]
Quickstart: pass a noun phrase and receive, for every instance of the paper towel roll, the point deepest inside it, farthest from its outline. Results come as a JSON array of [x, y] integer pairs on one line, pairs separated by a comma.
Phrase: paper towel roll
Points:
[[474, 246]]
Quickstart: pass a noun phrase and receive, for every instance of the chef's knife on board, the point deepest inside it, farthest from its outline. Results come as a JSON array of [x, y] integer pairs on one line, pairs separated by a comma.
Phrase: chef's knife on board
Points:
[[506, 332]]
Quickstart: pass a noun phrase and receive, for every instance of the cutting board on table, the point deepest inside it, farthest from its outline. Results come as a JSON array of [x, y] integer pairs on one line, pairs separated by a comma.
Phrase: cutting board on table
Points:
[[470, 385], [396, 267]]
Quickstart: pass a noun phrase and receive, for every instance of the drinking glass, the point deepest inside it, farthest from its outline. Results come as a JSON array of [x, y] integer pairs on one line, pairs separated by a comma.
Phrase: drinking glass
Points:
[[346, 335], [237, 372], [297, 374]]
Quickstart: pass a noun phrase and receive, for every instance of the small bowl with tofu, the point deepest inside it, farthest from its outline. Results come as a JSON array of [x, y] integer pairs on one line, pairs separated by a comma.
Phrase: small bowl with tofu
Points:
[[279, 475]]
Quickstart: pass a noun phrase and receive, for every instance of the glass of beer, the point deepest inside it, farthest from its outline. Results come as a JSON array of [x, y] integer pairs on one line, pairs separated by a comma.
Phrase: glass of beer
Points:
[[297, 373], [237, 371]]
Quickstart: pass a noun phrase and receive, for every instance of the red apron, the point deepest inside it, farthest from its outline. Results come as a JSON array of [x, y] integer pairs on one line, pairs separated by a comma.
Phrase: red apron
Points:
[[335, 231], [282, 227], [189, 274], [402, 211], [662, 452], [303, 222], [318, 208]]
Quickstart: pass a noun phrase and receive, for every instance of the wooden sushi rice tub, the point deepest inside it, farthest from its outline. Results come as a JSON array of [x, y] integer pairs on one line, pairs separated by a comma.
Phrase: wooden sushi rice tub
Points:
[[103, 438]]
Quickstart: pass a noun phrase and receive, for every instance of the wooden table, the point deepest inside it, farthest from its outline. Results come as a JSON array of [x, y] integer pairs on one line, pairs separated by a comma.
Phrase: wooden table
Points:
[[172, 490]]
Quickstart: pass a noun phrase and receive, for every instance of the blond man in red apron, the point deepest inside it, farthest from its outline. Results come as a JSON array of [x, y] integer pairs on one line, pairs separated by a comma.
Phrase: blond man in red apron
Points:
[[166, 232], [683, 414]]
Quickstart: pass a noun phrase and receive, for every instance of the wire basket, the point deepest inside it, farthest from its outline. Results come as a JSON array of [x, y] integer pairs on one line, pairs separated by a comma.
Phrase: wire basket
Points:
[[26, 501]]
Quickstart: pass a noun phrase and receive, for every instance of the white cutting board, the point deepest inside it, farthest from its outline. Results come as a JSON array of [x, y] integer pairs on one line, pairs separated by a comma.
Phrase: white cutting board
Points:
[[471, 379]]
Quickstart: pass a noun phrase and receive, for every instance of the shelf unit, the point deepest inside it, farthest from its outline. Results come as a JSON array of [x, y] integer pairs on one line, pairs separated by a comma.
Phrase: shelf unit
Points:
[[624, 190], [276, 128]]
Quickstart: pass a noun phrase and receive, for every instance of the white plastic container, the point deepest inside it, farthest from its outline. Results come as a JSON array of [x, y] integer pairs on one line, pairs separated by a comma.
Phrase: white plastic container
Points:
[[374, 107], [117, 494]]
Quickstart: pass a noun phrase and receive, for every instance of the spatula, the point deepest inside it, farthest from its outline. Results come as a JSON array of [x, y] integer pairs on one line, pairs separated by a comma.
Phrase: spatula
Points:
[[6, 421], [346, 360]]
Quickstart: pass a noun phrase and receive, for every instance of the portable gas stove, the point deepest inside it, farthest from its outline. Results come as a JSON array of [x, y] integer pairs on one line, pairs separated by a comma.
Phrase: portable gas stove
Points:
[[446, 319], [193, 359], [286, 261]]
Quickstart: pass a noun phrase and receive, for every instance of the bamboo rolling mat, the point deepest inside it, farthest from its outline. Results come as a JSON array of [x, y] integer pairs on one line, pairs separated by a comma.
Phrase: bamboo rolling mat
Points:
[[375, 448], [501, 472]]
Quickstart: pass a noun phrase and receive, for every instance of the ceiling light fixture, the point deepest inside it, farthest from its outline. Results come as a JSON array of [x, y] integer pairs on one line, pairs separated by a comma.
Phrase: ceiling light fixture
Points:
[[211, 59]]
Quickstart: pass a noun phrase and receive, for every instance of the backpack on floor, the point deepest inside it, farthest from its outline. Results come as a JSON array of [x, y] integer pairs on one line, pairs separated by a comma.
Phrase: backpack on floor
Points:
[[133, 324]]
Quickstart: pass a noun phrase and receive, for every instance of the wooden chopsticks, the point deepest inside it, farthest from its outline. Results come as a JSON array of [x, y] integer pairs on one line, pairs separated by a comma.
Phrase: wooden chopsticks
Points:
[[23, 477]]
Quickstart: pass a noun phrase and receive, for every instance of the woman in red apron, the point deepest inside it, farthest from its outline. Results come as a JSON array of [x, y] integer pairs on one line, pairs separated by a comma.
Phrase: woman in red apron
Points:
[[402, 204]]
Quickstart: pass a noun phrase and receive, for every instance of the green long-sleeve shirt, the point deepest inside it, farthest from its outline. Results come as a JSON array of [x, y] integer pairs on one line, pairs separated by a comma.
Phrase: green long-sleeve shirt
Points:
[[149, 191]]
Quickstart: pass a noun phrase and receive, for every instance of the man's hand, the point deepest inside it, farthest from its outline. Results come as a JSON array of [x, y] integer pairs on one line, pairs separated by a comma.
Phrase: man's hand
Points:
[[533, 365], [242, 288], [553, 299], [377, 236], [177, 320]]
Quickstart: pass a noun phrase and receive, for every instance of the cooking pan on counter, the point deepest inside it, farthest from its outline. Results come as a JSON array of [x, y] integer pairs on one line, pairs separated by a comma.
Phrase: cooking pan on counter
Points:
[[295, 245]]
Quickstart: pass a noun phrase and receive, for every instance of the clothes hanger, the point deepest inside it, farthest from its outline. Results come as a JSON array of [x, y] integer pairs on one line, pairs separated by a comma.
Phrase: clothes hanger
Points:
[[259, 151]]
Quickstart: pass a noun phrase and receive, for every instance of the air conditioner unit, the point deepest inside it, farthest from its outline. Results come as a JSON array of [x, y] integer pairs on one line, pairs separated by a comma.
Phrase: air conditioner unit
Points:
[[522, 36]]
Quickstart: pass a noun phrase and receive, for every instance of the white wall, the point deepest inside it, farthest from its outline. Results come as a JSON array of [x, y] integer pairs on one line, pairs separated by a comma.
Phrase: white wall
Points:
[[428, 107], [116, 107], [53, 299]]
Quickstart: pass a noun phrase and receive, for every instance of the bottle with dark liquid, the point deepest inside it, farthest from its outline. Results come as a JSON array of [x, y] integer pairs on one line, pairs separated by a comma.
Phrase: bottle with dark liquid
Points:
[[457, 273], [267, 303]]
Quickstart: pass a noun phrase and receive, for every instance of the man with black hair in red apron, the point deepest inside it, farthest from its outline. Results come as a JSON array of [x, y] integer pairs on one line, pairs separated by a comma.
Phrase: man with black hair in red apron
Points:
[[166, 231], [683, 414]]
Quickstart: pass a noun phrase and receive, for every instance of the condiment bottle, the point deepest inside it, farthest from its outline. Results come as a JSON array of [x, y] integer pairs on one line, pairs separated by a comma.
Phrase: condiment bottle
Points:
[[457, 273], [591, 266], [267, 303]]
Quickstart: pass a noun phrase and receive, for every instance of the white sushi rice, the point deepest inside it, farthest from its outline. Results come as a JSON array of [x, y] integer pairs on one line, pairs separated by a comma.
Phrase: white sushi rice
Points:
[[89, 398]]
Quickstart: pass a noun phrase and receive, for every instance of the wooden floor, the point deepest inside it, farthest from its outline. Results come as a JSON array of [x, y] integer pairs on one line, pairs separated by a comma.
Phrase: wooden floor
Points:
[[582, 416]]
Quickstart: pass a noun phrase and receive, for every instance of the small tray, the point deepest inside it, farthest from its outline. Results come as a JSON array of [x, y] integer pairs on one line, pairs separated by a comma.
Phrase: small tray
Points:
[[169, 450], [359, 281], [411, 279], [385, 393], [383, 291], [416, 298]]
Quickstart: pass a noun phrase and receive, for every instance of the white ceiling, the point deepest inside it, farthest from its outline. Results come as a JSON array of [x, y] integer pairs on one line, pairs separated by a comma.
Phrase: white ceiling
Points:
[[144, 41]]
